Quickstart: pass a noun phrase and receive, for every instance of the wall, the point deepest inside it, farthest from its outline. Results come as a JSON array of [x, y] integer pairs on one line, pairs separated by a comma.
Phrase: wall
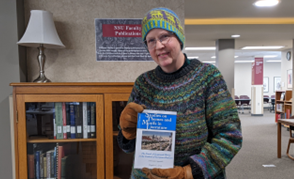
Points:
[[243, 77], [11, 70], [285, 65], [74, 22]]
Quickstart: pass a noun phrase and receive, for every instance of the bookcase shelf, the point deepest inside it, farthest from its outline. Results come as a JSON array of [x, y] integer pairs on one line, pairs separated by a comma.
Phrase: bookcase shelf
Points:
[[98, 157], [59, 140], [283, 104]]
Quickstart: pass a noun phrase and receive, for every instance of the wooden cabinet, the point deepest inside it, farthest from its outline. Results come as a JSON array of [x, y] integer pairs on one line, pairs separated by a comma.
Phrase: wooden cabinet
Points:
[[91, 157], [283, 104]]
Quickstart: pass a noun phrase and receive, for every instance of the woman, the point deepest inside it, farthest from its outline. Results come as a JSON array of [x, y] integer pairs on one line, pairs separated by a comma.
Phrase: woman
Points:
[[208, 130]]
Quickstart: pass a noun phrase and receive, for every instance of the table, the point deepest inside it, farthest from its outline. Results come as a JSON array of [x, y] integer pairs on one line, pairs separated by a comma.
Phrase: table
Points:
[[280, 122]]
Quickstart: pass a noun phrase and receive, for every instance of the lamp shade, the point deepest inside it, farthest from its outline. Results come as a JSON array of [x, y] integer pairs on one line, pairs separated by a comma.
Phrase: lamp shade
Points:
[[41, 30]]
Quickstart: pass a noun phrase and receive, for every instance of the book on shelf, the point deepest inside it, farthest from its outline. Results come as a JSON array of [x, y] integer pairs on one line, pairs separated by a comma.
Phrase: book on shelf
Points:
[[282, 96], [31, 165], [67, 110], [58, 120], [93, 119], [89, 119], [64, 128], [72, 121], [79, 119], [85, 120], [155, 139]]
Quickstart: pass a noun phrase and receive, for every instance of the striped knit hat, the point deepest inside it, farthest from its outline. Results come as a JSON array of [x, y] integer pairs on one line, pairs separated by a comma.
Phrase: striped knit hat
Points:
[[163, 18]]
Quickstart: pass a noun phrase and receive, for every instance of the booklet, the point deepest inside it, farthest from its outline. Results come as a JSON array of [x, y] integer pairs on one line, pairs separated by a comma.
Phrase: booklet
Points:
[[155, 140]]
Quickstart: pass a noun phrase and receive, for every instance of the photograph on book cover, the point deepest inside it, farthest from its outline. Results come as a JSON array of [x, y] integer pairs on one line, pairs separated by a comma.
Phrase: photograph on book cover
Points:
[[289, 78], [265, 84], [155, 140], [159, 141], [277, 83]]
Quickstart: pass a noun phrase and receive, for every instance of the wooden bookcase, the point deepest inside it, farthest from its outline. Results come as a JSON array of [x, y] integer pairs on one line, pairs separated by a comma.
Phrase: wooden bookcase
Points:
[[98, 157], [283, 104]]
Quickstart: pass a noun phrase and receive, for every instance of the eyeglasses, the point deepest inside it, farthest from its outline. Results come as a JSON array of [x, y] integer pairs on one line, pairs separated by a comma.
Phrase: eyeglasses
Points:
[[163, 39]]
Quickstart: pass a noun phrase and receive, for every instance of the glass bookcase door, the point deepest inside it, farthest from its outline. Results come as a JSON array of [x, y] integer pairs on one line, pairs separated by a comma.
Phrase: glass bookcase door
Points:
[[63, 136], [118, 163]]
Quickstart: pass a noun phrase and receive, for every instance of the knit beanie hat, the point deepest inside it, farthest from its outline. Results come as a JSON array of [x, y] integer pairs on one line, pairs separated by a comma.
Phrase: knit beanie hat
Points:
[[163, 18]]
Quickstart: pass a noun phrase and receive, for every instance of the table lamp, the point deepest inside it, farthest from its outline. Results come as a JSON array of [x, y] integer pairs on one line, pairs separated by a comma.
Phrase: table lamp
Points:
[[41, 33]]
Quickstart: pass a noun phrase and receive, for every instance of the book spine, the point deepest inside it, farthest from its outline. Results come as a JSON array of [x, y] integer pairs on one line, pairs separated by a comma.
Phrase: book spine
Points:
[[44, 166], [58, 120], [67, 106], [59, 157], [93, 120], [52, 163], [64, 121], [79, 116], [89, 119], [31, 165], [72, 121], [37, 164], [54, 127], [55, 158], [41, 165], [85, 121], [48, 156]]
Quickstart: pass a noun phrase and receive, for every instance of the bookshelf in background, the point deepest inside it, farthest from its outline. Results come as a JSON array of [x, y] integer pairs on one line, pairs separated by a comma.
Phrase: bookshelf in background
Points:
[[283, 104], [62, 127]]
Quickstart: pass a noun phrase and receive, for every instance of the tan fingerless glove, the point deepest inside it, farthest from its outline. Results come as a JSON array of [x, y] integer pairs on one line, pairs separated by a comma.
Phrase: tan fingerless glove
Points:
[[128, 119]]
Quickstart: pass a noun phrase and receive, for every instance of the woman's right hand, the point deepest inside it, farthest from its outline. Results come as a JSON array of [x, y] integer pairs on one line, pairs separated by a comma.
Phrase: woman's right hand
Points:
[[128, 119]]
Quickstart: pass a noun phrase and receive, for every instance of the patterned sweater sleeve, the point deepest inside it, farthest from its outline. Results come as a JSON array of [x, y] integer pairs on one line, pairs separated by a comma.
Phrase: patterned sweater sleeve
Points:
[[224, 129], [128, 146]]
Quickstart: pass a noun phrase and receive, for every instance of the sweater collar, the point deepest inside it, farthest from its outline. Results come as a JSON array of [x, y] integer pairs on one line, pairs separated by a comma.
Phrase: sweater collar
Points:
[[186, 68]]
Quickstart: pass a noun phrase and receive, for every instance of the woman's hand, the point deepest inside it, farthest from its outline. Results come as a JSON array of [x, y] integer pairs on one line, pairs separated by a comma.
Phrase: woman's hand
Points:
[[170, 173], [128, 119]]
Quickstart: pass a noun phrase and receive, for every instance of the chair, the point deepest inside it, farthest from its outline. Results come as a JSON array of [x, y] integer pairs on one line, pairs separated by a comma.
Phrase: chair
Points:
[[266, 99], [245, 102], [238, 104], [273, 99], [291, 140]]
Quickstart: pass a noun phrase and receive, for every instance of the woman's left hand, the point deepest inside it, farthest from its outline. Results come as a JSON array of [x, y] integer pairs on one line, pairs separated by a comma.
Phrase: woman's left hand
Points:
[[169, 173]]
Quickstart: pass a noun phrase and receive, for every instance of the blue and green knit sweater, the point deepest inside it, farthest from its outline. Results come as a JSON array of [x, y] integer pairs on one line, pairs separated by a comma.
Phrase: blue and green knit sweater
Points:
[[208, 131]]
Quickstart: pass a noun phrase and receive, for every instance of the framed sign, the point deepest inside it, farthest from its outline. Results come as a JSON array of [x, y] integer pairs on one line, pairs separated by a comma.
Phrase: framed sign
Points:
[[277, 83], [265, 85], [120, 40], [289, 78]]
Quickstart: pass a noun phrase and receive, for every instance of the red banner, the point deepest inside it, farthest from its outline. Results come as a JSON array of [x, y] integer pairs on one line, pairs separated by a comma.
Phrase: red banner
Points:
[[121, 30], [257, 71]]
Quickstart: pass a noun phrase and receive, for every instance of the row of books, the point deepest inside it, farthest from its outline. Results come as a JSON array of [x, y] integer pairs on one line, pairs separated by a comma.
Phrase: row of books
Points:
[[50, 164], [285, 115], [74, 120], [280, 107]]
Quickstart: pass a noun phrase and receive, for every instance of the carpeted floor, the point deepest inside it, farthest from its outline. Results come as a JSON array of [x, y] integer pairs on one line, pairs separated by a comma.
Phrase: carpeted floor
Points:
[[260, 148]]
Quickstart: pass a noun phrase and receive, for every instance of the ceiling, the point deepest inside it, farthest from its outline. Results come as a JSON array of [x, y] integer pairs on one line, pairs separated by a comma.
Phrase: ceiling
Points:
[[228, 17]]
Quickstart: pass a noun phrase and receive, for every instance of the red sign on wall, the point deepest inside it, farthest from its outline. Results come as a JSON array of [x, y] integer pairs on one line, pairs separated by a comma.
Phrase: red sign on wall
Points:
[[121, 30], [257, 71]]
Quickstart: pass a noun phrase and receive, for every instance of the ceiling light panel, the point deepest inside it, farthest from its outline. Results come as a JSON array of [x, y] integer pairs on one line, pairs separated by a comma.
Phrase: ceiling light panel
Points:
[[262, 47], [200, 48], [266, 3]]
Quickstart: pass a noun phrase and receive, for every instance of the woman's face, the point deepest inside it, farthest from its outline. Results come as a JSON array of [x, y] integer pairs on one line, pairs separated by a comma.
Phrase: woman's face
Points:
[[169, 55]]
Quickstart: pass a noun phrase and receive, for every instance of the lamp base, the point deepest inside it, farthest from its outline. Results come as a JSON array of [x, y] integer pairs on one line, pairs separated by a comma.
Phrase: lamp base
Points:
[[42, 79]]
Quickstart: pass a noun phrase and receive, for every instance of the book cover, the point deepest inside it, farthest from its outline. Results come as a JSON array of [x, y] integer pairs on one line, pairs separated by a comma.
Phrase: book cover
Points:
[[155, 140]]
